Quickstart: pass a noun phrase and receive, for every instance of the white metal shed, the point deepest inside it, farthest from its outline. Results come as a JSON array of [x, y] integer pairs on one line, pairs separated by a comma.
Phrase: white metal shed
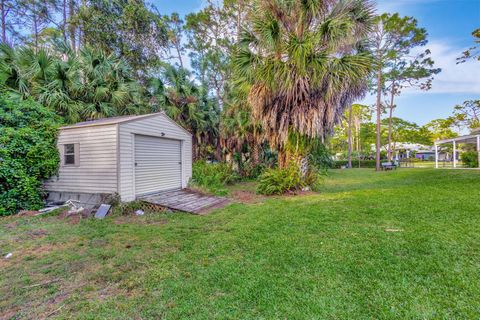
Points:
[[128, 155]]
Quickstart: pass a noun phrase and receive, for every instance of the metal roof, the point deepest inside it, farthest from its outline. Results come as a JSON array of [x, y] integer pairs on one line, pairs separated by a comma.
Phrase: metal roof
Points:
[[112, 120], [471, 138]]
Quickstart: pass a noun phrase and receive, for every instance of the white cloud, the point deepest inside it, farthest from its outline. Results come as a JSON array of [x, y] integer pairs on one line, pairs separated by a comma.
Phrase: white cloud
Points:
[[454, 78]]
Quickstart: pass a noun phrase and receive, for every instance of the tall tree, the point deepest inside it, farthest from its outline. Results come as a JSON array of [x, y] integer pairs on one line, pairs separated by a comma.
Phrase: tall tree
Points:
[[441, 128], [174, 33], [356, 115], [189, 105], [212, 33], [468, 114], [37, 16], [129, 29], [350, 120], [394, 38], [302, 62], [472, 52]]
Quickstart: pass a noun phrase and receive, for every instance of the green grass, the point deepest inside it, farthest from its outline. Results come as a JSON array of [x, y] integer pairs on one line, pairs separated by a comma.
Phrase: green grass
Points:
[[321, 256]]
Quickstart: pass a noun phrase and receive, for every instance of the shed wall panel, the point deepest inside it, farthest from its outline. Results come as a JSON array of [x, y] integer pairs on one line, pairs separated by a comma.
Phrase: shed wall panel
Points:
[[97, 170]]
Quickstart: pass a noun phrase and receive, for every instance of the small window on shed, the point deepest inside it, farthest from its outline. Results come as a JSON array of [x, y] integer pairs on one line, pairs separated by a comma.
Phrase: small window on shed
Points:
[[70, 154]]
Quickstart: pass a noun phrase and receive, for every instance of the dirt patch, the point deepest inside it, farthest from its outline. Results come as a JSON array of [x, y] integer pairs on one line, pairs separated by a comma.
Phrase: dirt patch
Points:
[[298, 194], [35, 234], [246, 196], [27, 213], [10, 313], [148, 219], [11, 226]]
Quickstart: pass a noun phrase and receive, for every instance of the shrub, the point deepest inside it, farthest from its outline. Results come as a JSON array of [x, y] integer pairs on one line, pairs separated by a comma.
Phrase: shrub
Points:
[[320, 156], [28, 153], [252, 171], [470, 159], [213, 176], [279, 181], [314, 178], [363, 163]]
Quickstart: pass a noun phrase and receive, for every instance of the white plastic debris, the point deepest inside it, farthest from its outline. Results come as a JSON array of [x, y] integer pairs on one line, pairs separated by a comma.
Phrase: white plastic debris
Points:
[[139, 212], [48, 209], [8, 255]]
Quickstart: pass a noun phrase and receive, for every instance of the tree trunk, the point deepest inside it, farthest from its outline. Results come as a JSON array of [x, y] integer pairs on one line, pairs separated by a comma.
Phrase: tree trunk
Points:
[[350, 138], [177, 47], [35, 31], [4, 24], [64, 26], [389, 153], [71, 26], [379, 111], [358, 140]]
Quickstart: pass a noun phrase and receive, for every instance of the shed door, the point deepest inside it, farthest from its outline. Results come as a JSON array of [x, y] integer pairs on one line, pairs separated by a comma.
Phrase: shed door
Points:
[[158, 165]]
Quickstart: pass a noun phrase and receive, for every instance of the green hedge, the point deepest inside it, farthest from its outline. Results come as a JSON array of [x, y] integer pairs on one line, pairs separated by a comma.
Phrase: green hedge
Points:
[[363, 164], [28, 154]]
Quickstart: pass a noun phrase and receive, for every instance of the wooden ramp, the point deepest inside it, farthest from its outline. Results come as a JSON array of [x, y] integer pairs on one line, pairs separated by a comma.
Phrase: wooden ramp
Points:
[[186, 200]]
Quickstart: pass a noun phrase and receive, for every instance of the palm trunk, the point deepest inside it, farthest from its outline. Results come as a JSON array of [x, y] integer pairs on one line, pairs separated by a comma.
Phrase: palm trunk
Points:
[[255, 150], [379, 110], [218, 153], [194, 149], [350, 138], [282, 158]]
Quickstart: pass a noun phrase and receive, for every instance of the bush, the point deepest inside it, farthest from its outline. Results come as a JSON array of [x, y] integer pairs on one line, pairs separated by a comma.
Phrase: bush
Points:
[[363, 164], [252, 171], [279, 181], [470, 159], [213, 176], [28, 154], [320, 156]]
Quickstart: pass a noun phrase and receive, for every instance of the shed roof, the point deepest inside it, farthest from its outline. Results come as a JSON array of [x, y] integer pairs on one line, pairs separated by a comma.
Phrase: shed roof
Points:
[[112, 120]]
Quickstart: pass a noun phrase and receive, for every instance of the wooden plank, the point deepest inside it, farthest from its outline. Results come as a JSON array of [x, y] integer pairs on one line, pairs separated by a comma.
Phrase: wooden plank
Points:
[[186, 201]]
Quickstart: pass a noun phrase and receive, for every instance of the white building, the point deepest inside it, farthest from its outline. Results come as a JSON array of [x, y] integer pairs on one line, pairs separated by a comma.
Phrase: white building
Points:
[[472, 139], [129, 155]]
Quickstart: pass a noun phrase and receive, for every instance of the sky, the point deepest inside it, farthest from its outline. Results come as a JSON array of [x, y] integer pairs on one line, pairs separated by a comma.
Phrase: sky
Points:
[[449, 24]]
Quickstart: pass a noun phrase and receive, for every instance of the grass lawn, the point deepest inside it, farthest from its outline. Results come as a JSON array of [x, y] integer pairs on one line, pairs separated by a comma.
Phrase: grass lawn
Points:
[[402, 244]]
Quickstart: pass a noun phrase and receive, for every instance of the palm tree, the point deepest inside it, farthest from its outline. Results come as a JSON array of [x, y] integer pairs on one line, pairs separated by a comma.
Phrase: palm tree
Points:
[[239, 128], [188, 104], [304, 63], [79, 86]]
